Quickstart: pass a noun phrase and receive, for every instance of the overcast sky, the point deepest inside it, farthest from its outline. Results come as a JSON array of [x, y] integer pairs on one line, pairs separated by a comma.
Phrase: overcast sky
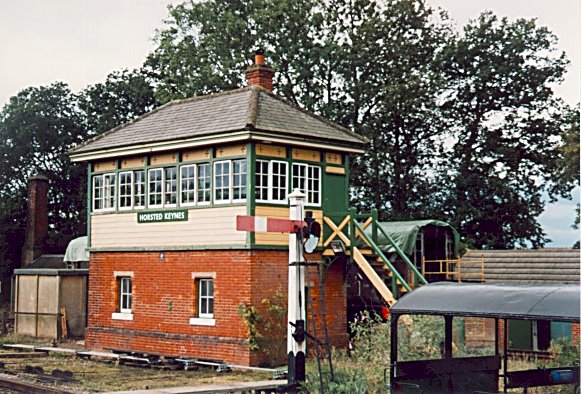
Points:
[[81, 41]]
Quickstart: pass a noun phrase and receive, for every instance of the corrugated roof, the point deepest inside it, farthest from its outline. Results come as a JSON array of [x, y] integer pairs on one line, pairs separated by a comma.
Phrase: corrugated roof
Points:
[[251, 108], [533, 302], [549, 265]]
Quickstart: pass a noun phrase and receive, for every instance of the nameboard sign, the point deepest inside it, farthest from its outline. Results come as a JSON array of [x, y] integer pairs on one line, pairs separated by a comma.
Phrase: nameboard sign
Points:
[[163, 216]]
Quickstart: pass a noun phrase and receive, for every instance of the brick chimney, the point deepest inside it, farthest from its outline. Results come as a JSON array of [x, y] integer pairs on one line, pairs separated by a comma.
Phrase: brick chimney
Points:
[[260, 74], [36, 219]]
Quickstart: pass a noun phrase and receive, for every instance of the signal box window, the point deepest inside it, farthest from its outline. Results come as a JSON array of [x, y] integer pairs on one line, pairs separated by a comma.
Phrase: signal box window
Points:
[[104, 192], [307, 179], [271, 181]]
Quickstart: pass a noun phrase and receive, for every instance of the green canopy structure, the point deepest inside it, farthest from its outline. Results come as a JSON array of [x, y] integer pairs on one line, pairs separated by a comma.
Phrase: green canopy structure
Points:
[[405, 234]]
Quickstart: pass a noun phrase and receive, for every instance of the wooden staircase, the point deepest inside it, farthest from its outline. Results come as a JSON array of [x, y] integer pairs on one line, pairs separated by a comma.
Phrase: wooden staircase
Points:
[[362, 249]]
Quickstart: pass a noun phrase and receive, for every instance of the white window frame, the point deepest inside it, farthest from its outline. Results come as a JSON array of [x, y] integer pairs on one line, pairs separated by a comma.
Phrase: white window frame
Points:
[[308, 180], [106, 192], [135, 195], [203, 319], [123, 313], [165, 187], [230, 178], [164, 192], [127, 186], [199, 189], [270, 175], [259, 176], [223, 188], [243, 176], [207, 297], [125, 296], [150, 191], [186, 189]]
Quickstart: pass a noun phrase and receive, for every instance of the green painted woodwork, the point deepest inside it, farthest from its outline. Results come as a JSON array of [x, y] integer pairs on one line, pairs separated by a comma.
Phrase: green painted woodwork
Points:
[[250, 196], [520, 334], [170, 215], [89, 201], [395, 274], [560, 330], [334, 187]]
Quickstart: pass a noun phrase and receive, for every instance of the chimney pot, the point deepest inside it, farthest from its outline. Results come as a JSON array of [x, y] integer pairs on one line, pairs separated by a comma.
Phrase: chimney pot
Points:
[[260, 74], [259, 57]]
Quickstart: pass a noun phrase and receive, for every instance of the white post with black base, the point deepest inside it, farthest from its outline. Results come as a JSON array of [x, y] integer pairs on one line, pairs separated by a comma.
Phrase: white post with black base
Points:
[[296, 338]]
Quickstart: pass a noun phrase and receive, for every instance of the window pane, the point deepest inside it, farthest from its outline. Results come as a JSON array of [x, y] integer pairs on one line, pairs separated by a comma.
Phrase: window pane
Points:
[[139, 188], [239, 179], [125, 189], [170, 186], [204, 183], [222, 181], [155, 186], [188, 174]]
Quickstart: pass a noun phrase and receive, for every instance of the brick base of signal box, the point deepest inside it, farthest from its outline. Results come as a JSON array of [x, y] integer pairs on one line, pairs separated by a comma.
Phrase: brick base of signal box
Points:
[[164, 299]]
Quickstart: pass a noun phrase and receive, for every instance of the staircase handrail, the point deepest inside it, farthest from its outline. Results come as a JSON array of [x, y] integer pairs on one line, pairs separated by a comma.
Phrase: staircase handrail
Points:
[[401, 254], [378, 251]]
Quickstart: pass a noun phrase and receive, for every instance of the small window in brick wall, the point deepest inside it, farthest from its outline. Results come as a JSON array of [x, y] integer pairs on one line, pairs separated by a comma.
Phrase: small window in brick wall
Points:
[[124, 297], [203, 299]]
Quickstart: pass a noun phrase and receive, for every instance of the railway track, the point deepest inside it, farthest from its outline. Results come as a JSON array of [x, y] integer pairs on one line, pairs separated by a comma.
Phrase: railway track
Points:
[[15, 385]]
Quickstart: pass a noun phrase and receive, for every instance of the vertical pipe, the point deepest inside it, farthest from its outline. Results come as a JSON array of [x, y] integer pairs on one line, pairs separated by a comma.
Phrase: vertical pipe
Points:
[[505, 346], [482, 269], [251, 196], [351, 233], [374, 225], [459, 270], [36, 308], [393, 351], [496, 328], [448, 336]]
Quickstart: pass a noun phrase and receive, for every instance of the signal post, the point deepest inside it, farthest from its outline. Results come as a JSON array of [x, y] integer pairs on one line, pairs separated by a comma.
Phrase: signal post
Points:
[[296, 336]]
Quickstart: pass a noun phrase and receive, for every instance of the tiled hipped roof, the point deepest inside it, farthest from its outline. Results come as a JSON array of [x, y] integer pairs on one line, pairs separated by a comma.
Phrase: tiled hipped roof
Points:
[[550, 265], [251, 109]]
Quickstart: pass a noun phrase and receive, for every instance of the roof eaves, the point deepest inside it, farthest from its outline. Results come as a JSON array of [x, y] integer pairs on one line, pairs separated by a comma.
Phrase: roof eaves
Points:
[[153, 111]]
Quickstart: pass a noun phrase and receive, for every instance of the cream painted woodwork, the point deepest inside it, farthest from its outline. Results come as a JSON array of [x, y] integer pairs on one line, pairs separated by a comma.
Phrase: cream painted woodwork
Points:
[[105, 166], [228, 151], [204, 227], [306, 154], [167, 158], [335, 170], [271, 151], [198, 154], [333, 158], [279, 213], [133, 162]]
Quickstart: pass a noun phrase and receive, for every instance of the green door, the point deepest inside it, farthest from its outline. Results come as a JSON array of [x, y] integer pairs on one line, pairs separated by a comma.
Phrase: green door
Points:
[[335, 194], [520, 334]]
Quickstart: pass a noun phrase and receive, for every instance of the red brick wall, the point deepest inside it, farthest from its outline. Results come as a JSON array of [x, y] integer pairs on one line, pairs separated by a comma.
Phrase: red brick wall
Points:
[[479, 332], [164, 301], [575, 333]]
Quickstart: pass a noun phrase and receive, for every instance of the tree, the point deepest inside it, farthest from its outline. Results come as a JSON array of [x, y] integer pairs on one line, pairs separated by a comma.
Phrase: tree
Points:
[[505, 121], [367, 66], [122, 97], [37, 127]]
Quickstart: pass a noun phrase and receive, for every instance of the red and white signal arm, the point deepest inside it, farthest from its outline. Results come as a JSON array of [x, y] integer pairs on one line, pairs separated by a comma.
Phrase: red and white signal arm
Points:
[[262, 224]]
